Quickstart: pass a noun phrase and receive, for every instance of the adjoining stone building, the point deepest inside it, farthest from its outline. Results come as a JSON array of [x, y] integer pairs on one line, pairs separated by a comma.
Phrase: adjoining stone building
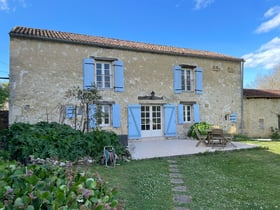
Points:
[[147, 90], [261, 112]]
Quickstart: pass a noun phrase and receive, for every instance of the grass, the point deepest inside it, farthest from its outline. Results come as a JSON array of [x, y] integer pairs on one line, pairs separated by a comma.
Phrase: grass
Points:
[[247, 179], [142, 184]]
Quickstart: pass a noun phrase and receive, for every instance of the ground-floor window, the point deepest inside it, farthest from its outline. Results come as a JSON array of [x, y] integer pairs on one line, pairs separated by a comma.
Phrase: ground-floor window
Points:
[[187, 112], [104, 119]]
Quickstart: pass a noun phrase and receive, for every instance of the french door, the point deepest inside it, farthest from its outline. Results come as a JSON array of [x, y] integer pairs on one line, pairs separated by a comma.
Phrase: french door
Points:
[[151, 120]]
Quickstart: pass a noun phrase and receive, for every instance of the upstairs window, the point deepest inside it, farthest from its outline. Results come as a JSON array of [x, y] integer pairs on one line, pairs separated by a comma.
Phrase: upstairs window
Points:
[[187, 79], [103, 75]]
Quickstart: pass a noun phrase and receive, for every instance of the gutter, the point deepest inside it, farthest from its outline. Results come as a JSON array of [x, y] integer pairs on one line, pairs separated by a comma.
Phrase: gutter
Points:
[[242, 105]]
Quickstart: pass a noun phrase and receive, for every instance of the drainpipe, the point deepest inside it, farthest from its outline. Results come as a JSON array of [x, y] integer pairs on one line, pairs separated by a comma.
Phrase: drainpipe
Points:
[[242, 108]]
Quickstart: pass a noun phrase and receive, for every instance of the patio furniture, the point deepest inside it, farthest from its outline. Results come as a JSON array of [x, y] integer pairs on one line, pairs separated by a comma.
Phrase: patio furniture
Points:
[[201, 138], [216, 137], [228, 138]]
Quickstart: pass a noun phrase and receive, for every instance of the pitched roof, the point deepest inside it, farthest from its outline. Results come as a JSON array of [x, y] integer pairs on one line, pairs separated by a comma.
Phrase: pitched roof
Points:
[[50, 35], [261, 93]]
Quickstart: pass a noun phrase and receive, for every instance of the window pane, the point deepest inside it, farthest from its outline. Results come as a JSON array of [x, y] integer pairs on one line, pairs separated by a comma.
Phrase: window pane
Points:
[[103, 75]]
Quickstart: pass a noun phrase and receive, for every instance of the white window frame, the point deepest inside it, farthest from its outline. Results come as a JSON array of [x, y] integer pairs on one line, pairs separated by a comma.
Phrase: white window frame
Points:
[[100, 77], [187, 79], [105, 119], [188, 113]]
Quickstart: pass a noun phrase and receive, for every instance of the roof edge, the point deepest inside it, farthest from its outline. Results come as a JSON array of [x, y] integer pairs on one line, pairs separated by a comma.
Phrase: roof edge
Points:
[[18, 32]]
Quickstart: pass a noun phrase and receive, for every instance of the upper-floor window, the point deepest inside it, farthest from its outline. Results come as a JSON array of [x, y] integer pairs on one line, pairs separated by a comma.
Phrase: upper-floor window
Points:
[[187, 79], [104, 73], [103, 78]]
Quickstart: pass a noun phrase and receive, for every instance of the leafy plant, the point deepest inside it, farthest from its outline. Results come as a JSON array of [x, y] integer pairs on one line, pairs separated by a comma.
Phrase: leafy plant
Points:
[[48, 187], [202, 128], [275, 134], [4, 94], [53, 140]]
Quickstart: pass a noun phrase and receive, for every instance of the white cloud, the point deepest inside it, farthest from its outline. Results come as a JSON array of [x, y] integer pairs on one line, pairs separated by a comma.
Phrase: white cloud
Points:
[[200, 4], [267, 56], [4, 5], [273, 16]]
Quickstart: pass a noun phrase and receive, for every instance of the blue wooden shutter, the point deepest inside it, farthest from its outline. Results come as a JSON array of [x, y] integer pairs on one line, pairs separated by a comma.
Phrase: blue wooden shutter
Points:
[[196, 113], [134, 121], [116, 109], [170, 120], [233, 117], [199, 80], [119, 76], [88, 67], [69, 111], [91, 116], [177, 80], [180, 113]]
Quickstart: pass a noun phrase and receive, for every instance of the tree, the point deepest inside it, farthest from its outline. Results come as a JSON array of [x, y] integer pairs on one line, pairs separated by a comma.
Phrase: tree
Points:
[[271, 81], [81, 100], [4, 94]]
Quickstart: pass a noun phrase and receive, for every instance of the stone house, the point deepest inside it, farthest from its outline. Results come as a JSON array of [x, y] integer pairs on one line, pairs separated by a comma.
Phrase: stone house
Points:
[[262, 112], [147, 90]]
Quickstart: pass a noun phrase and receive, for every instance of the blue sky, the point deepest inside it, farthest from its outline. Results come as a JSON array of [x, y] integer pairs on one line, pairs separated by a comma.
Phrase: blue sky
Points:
[[248, 29]]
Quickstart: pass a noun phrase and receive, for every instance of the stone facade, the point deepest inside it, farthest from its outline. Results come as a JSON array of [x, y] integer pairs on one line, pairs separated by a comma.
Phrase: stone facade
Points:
[[42, 69], [261, 112]]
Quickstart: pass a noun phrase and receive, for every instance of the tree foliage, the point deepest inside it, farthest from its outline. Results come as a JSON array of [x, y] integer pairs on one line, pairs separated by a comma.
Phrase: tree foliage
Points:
[[4, 94], [271, 81], [82, 99]]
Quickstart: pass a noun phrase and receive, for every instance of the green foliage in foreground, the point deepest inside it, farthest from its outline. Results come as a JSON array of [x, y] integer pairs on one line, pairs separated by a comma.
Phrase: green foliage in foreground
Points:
[[245, 179], [53, 140], [46, 187]]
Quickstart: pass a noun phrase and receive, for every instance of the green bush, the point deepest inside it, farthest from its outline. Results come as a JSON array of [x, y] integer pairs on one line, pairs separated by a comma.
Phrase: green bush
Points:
[[48, 187], [202, 127], [53, 140], [275, 134]]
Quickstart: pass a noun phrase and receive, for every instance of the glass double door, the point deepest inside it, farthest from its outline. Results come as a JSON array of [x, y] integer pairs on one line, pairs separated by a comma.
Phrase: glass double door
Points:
[[151, 120]]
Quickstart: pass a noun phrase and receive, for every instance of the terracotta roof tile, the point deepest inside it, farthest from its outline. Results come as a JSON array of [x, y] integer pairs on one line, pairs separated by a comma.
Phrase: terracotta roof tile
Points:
[[51, 35], [261, 93]]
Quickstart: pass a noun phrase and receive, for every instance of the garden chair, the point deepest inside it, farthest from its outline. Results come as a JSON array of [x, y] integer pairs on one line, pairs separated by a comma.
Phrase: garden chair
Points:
[[217, 137], [109, 156], [228, 139], [201, 138]]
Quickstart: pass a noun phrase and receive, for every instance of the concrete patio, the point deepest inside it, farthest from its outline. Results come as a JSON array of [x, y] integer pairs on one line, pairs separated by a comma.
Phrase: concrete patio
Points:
[[153, 148]]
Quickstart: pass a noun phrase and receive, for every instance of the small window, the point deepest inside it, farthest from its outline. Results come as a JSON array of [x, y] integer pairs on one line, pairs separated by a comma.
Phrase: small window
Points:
[[227, 117], [188, 113], [105, 117], [261, 123], [187, 79]]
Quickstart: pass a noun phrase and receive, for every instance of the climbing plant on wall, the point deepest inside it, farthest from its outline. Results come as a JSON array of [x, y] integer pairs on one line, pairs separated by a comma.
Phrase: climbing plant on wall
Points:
[[82, 110]]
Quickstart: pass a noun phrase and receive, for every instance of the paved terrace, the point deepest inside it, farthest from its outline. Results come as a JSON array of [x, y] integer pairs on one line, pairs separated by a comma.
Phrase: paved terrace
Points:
[[153, 148]]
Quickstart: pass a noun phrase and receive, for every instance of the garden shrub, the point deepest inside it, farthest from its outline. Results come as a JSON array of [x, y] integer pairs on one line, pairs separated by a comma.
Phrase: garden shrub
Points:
[[49, 187], [275, 134], [57, 141], [202, 128]]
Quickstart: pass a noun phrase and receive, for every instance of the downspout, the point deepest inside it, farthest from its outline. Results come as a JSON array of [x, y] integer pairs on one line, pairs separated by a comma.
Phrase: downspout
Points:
[[242, 106]]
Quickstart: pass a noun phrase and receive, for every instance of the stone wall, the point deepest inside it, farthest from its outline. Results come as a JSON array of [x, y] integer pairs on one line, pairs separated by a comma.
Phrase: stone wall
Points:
[[260, 115], [41, 72]]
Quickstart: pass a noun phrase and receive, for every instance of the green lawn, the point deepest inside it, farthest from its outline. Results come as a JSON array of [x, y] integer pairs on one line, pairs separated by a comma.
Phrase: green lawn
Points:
[[247, 179]]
